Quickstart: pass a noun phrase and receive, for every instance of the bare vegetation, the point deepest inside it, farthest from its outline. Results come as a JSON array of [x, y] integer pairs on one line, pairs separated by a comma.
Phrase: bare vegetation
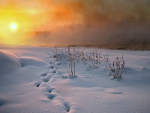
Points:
[[70, 56], [117, 67]]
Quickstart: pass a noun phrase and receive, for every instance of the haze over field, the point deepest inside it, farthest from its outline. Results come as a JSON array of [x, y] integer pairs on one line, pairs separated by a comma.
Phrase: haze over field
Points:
[[46, 22]]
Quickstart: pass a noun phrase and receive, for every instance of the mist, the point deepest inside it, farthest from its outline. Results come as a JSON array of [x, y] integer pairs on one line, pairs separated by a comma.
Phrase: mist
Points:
[[122, 33], [85, 22], [97, 22]]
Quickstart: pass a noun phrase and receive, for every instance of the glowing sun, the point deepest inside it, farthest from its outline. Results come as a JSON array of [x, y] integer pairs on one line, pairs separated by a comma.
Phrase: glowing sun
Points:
[[13, 26]]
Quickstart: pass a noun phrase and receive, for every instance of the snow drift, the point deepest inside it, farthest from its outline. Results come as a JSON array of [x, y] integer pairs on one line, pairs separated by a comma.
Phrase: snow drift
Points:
[[25, 61], [8, 62]]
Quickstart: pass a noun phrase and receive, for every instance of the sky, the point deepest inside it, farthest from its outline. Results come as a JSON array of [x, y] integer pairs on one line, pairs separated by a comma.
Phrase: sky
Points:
[[74, 21]]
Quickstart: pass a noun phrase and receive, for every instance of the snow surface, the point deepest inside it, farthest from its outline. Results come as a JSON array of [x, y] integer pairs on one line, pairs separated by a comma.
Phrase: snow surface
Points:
[[8, 62], [30, 83]]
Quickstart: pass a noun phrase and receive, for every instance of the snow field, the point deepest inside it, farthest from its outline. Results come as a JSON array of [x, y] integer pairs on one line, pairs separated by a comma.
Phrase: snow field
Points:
[[35, 85]]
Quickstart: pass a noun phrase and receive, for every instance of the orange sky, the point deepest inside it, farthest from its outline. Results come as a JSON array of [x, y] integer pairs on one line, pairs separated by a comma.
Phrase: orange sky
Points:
[[49, 15]]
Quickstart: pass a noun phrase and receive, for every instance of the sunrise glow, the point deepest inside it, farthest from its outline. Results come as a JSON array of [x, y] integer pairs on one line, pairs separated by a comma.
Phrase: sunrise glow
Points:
[[13, 26], [46, 22]]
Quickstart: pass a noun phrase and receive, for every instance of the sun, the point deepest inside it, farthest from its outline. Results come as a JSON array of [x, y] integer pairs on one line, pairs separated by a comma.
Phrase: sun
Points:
[[13, 26]]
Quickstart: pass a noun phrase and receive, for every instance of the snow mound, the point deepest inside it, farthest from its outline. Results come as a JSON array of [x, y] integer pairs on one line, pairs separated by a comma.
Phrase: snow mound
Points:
[[32, 62], [8, 62]]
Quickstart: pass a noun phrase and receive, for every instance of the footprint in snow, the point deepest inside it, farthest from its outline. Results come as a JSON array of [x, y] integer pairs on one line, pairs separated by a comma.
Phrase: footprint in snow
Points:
[[50, 66], [46, 79], [51, 96], [43, 74], [53, 71], [37, 84], [49, 90], [67, 106]]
